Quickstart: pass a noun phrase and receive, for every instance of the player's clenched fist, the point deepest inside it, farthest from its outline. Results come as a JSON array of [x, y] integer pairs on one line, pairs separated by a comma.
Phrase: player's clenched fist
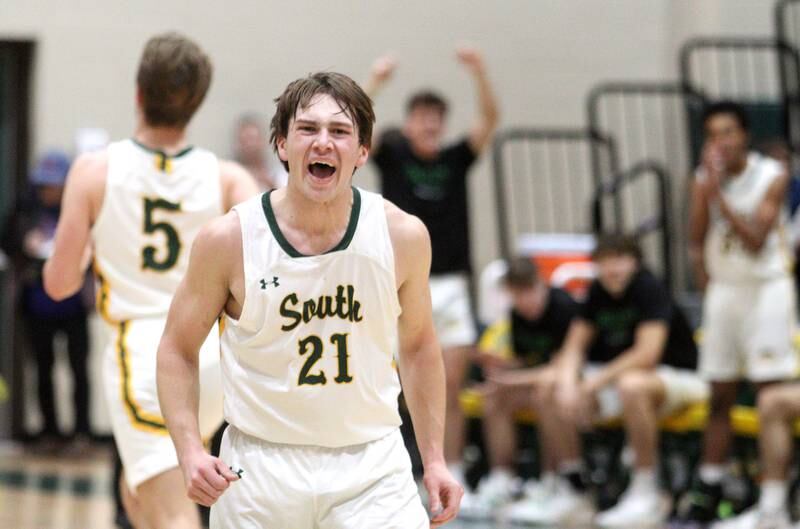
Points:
[[206, 478]]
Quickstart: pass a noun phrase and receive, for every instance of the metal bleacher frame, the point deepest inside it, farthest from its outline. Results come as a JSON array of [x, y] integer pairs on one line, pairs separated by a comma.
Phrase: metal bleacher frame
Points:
[[787, 32], [658, 221], [742, 55], [647, 122], [554, 144], [605, 208]]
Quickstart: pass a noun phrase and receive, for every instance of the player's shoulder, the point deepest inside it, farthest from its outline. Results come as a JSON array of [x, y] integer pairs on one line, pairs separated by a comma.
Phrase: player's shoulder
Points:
[[222, 227], [562, 298], [404, 228], [88, 173], [766, 163], [765, 167], [220, 235], [645, 283], [91, 163], [410, 242]]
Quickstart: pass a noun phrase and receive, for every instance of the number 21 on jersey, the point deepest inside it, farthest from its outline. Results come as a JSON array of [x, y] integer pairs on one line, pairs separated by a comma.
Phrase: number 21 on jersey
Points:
[[313, 345]]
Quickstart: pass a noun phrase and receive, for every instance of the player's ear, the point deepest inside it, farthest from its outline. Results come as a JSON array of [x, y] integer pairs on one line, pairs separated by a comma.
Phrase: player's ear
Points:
[[363, 155], [280, 144]]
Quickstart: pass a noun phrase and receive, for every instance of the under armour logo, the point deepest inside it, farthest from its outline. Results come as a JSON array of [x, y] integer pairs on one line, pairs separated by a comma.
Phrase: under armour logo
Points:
[[274, 282]]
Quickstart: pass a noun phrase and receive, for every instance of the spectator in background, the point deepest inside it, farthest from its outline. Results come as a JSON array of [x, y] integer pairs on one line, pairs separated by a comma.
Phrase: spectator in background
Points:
[[516, 355], [428, 179], [630, 353], [250, 150], [45, 318], [739, 260]]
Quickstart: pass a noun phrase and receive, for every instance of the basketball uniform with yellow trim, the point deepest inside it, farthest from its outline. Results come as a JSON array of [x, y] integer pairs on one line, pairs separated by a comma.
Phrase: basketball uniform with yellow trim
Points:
[[309, 380], [153, 207], [749, 311]]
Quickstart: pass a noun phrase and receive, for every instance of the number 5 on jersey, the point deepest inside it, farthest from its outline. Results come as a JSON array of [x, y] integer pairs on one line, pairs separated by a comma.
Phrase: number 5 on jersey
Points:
[[170, 233], [313, 344]]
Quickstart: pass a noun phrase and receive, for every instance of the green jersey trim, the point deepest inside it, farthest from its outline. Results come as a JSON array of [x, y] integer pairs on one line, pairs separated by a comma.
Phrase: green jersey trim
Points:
[[287, 247]]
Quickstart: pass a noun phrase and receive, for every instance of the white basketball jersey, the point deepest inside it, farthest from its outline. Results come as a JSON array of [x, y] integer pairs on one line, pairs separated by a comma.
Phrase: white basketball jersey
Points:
[[310, 359], [153, 207], [726, 257]]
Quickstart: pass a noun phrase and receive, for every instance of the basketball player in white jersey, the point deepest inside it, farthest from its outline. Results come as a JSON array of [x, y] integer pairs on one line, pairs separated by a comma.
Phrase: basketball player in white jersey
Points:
[[140, 203], [320, 284], [741, 260]]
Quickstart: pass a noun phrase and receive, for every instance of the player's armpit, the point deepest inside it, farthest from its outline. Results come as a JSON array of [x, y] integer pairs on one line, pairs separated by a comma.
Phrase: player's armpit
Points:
[[204, 290]]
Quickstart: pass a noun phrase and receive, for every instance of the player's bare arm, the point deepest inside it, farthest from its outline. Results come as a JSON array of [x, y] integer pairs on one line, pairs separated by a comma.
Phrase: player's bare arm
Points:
[[237, 184], [570, 359], [518, 377], [83, 196], [753, 232], [488, 114], [698, 228], [380, 73], [213, 283], [382, 70], [649, 341], [421, 364]]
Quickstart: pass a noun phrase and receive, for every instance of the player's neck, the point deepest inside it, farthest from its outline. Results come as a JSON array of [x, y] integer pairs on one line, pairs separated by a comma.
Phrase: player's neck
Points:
[[167, 139], [738, 167], [312, 217]]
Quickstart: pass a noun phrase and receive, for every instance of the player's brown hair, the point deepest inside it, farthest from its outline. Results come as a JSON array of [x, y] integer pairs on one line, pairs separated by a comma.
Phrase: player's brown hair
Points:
[[615, 244], [173, 79], [427, 98], [521, 273], [298, 94]]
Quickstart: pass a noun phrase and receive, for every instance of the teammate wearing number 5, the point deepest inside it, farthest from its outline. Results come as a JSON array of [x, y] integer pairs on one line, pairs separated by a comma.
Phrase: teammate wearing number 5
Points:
[[321, 284], [140, 203]]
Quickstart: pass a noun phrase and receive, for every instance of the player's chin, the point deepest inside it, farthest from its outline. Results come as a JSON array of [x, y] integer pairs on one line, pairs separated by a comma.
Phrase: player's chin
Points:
[[321, 190]]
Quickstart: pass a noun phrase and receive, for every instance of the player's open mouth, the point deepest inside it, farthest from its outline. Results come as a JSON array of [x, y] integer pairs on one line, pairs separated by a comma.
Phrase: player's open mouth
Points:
[[321, 170]]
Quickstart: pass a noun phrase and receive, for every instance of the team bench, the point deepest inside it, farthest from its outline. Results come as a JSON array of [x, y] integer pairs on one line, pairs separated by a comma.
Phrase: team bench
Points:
[[693, 418]]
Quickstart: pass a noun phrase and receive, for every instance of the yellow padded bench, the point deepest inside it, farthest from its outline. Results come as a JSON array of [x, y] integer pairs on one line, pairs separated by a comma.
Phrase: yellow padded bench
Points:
[[693, 418], [497, 339]]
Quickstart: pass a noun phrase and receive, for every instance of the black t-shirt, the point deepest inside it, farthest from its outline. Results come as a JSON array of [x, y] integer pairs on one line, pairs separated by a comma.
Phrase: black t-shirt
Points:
[[616, 319], [433, 190], [535, 341]]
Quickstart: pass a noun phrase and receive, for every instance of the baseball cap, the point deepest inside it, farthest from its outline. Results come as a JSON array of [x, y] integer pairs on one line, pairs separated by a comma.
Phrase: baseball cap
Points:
[[51, 169]]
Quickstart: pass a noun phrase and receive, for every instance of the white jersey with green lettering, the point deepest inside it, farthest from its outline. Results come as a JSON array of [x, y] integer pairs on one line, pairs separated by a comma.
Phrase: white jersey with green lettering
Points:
[[310, 360], [727, 259], [153, 207]]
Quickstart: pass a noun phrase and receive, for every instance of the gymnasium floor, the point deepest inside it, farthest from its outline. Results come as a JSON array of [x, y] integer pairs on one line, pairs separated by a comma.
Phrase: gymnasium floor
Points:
[[71, 491], [64, 491]]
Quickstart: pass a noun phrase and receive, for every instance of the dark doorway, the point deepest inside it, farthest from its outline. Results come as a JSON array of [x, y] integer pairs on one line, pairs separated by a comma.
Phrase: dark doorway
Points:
[[16, 60]]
